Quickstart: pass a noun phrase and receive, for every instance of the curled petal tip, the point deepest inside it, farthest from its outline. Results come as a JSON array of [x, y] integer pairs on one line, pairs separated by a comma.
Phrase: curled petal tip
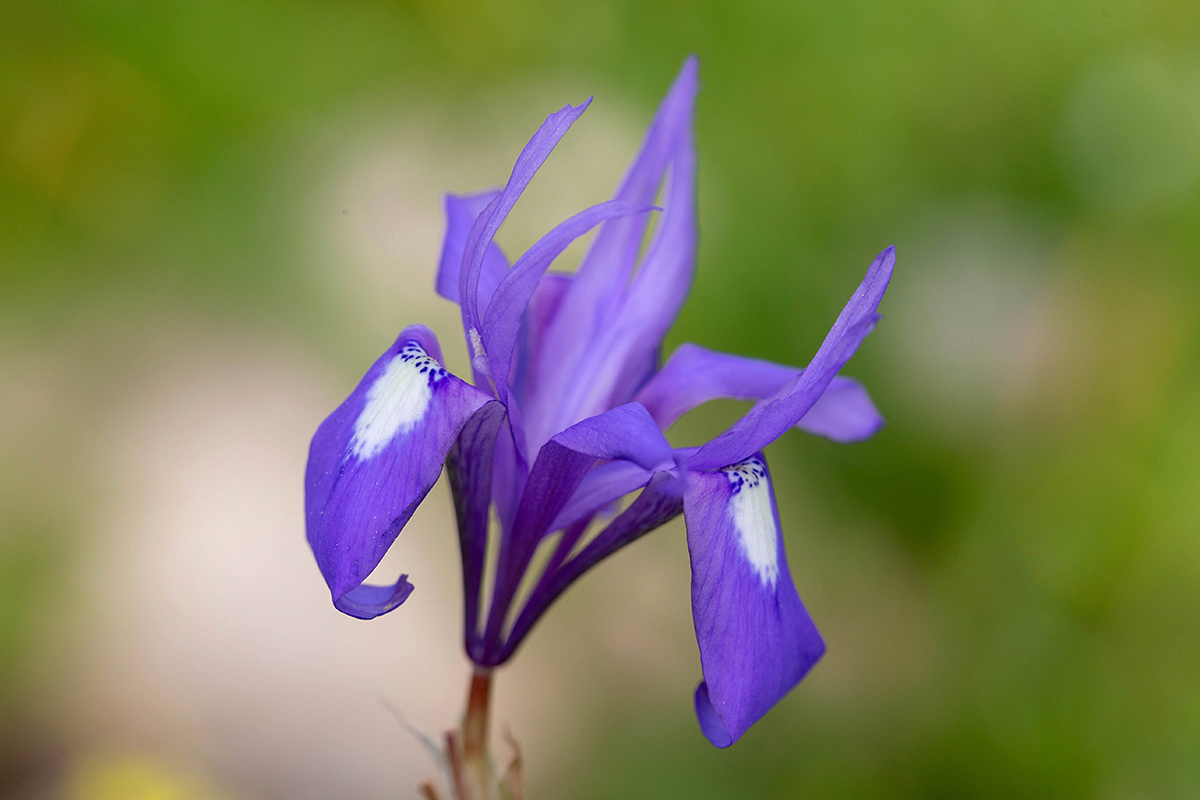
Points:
[[710, 723], [367, 602]]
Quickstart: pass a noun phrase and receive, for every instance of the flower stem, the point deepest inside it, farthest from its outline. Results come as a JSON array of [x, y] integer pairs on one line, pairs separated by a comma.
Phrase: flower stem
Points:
[[476, 763]]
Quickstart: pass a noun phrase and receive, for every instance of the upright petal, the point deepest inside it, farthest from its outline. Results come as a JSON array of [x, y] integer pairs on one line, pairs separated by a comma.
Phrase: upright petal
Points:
[[502, 320], [768, 420], [756, 638], [461, 213], [374, 459], [622, 353], [693, 375], [490, 219], [568, 389], [539, 315]]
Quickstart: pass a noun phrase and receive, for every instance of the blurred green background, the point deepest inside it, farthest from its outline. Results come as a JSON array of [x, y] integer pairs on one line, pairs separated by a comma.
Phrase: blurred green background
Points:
[[214, 214]]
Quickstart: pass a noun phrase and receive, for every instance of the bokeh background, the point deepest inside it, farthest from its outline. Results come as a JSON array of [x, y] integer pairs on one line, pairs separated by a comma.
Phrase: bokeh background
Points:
[[214, 214]]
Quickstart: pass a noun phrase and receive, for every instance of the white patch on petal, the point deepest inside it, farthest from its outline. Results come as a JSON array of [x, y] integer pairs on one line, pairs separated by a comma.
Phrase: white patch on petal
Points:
[[479, 359], [751, 514], [396, 401]]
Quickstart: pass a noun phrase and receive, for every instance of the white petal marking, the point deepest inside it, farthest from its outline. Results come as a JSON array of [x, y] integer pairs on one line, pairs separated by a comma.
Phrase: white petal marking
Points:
[[396, 401], [751, 514]]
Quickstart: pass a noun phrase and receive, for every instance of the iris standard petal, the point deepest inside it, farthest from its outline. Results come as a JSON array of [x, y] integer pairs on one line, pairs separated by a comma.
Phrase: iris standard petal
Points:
[[756, 638], [539, 315], [502, 320], [694, 375], [602, 284], [630, 345], [373, 460], [489, 220], [461, 213], [768, 420]]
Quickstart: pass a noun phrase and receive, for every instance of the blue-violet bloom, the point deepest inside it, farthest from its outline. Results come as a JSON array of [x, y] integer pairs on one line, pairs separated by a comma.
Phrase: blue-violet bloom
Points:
[[565, 416]]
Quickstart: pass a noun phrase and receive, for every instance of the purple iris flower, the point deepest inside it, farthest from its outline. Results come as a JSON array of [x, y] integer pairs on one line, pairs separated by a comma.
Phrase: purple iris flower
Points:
[[565, 416]]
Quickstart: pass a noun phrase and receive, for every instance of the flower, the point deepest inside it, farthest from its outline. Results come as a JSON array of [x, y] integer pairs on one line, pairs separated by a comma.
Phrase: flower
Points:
[[566, 415]]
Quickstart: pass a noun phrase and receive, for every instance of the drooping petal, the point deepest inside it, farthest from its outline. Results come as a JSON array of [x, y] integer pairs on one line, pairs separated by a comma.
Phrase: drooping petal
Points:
[[461, 213], [502, 320], [374, 459], [756, 638], [490, 219], [768, 420], [694, 375], [567, 389]]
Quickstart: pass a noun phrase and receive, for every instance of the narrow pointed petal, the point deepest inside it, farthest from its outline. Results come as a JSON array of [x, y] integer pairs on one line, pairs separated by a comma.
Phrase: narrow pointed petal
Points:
[[490, 219], [693, 375], [756, 639], [374, 459], [578, 375], [502, 320], [606, 269], [659, 288], [461, 213], [768, 420]]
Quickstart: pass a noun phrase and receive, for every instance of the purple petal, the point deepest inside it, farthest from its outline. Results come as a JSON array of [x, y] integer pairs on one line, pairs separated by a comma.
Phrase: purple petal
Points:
[[710, 723], [469, 467], [693, 376], [489, 221], [630, 345], [599, 487], [768, 420], [844, 413], [461, 213], [756, 638], [625, 433], [658, 503], [568, 389], [502, 320], [374, 459], [539, 315]]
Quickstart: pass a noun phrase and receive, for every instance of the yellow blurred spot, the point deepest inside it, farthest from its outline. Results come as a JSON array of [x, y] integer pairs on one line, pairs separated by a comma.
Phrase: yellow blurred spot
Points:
[[135, 777]]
